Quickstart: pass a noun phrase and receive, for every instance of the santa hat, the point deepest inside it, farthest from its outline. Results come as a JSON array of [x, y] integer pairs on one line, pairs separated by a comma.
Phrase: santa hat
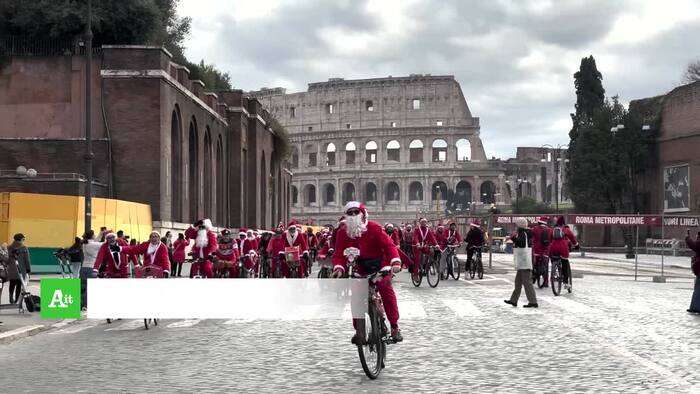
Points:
[[475, 223], [225, 231], [291, 224], [357, 205], [207, 224], [543, 219], [110, 234], [388, 225]]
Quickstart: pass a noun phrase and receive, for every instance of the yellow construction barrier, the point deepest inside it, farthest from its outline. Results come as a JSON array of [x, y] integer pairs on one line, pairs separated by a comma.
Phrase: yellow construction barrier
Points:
[[51, 221]]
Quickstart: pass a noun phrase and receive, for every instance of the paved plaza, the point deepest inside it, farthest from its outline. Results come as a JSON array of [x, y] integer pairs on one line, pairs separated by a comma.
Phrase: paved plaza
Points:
[[611, 334]]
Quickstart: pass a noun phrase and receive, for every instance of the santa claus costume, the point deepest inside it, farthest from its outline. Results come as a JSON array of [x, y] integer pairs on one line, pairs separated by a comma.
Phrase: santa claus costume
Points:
[[205, 244], [376, 250], [116, 263], [154, 253], [423, 237], [290, 238], [249, 251], [228, 252]]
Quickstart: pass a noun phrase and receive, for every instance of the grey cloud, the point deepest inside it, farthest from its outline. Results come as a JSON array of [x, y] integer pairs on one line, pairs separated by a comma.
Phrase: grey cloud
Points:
[[480, 42]]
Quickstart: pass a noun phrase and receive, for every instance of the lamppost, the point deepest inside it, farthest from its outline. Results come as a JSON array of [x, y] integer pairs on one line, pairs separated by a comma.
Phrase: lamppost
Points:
[[89, 155], [558, 159]]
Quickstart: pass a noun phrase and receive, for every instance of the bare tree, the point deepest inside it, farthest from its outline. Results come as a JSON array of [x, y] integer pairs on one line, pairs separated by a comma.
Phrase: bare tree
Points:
[[692, 73]]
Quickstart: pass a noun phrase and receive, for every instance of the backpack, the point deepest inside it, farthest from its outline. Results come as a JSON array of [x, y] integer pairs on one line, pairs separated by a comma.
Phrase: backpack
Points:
[[558, 233], [544, 237], [32, 302]]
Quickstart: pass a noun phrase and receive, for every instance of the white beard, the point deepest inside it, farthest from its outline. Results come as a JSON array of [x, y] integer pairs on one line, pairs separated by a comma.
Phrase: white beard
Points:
[[152, 247], [251, 238], [355, 226], [202, 241]]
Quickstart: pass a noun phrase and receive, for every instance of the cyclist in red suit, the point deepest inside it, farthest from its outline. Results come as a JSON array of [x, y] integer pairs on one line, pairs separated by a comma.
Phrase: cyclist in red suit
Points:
[[441, 237], [541, 239], [311, 238], [392, 233], [249, 247], [452, 236], [423, 236], [289, 238], [474, 239], [205, 244], [374, 245], [116, 264], [154, 252], [561, 237], [228, 251]]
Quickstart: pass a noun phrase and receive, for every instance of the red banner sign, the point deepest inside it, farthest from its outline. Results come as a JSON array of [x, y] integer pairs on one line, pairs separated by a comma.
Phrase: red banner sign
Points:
[[613, 220]]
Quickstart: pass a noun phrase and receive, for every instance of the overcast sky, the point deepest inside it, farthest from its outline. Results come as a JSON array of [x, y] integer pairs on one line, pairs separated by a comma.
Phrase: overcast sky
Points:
[[514, 59]]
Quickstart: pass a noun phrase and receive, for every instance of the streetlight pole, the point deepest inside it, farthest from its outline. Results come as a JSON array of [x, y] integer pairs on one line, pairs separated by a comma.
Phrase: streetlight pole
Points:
[[89, 156], [557, 158]]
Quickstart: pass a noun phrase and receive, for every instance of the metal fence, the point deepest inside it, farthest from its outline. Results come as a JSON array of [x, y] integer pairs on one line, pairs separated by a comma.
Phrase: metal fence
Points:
[[23, 46]]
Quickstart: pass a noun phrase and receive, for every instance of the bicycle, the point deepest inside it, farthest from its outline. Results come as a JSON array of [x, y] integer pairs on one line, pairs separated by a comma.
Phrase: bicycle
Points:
[[149, 272], [476, 266], [63, 261], [325, 271], [373, 353], [451, 267], [556, 278], [539, 272], [428, 267]]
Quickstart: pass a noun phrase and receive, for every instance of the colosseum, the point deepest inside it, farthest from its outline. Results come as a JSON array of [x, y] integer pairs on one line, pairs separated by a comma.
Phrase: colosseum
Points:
[[406, 146]]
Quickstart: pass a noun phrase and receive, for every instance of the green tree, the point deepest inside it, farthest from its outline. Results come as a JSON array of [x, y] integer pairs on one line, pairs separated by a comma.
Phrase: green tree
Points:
[[589, 95], [213, 79]]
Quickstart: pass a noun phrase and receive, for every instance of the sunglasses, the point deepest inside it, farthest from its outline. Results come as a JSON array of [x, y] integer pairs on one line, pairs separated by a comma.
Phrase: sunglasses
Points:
[[352, 212]]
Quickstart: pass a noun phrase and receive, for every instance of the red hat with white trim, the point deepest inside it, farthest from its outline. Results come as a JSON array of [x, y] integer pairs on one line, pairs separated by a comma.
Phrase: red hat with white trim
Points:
[[356, 205], [475, 223], [543, 219]]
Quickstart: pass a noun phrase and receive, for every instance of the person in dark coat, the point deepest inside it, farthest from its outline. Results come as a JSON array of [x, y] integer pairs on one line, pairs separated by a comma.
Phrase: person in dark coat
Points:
[[694, 245], [19, 266]]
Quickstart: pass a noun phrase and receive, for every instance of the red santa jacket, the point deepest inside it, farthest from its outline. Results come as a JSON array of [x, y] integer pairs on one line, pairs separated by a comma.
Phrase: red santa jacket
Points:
[[373, 244], [227, 249], [541, 239], [311, 240], [285, 240], [249, 245], [159, 257], [115, 269], [560, 247], [424, 236], [453, 237], [179, 249], [202, 252], [395, 238], [441, 239]]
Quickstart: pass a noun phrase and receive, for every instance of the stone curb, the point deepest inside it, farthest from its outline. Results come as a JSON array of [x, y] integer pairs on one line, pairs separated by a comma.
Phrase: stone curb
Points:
[[27, 331]]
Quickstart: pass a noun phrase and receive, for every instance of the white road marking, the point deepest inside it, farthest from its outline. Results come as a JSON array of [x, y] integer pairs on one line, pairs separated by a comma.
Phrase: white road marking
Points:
[[184, 323], [238, 321], [128, 325], [462, 307], [569, 305], [20, 331], [411, 310], [78, 327], [634, 306]]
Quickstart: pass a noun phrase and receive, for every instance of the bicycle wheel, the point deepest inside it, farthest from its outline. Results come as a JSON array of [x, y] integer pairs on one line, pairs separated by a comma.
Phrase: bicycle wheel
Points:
[[417, 278], [540, 280], [155, 322], [433, 273], [570, 288], [555, 279], [145, 323], [372, 353], [472, 269], [480, 269], [455, 267]]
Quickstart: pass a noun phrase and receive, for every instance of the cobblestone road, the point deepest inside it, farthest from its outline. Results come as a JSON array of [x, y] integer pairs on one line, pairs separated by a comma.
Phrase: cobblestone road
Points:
[[611, 335]]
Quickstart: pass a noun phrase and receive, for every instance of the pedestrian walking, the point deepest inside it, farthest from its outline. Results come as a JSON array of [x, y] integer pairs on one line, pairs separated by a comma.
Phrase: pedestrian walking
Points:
[[694, 245], [522, 255], [19, 266], [179, 253], [90, 249], [4, 260], [75, 257]]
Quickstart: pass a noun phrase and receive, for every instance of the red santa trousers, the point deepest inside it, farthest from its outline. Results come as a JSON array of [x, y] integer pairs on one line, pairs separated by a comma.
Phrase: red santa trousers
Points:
[[205, 269]]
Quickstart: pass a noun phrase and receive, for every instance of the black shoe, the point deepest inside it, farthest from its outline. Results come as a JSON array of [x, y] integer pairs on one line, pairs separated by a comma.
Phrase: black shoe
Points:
[[693, 311], [396, 335], [358, 340], [510, 302], [530, 305]]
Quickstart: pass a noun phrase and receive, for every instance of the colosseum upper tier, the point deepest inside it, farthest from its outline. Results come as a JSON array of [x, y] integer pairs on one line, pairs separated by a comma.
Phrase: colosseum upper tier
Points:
[[405, 146]]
